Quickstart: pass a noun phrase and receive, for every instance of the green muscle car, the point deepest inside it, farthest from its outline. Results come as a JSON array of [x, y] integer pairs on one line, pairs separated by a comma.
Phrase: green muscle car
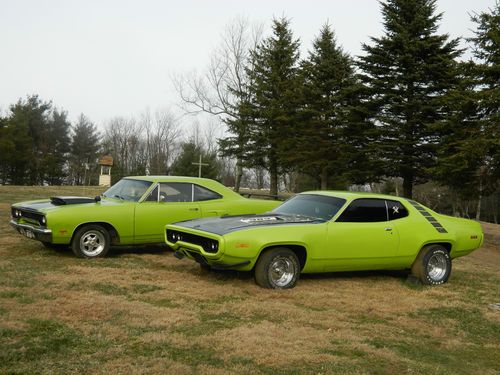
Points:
[[133, 211], [327, 232]]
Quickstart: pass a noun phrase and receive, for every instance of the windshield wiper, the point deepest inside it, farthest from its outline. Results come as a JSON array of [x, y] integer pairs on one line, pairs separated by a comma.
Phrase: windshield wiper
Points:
[[118, 196]]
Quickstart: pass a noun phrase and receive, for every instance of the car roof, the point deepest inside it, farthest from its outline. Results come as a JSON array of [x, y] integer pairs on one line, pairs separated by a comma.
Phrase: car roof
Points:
[[170, 178], [206, 182], [351, 195]]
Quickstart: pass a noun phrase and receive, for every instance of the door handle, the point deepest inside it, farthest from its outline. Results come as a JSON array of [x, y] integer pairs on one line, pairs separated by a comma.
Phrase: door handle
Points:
[[388, 229], [193, 209]]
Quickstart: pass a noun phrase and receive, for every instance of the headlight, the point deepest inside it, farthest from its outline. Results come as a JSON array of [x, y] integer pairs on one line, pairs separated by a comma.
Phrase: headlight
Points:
[[44, 220]]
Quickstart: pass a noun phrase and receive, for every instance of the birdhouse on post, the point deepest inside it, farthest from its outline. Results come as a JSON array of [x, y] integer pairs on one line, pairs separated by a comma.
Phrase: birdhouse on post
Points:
[[106, 162]]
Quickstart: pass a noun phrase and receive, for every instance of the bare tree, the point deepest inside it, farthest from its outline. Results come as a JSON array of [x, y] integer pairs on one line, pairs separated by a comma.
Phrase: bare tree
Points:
[[218, 91], [161, 137], [123, 141]]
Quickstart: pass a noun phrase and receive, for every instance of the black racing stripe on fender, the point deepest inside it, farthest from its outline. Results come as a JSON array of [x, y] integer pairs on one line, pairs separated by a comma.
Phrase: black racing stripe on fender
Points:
[[431, 219]]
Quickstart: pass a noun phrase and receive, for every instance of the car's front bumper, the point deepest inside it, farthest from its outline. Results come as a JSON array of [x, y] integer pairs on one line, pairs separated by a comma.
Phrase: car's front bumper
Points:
[[40, 234]]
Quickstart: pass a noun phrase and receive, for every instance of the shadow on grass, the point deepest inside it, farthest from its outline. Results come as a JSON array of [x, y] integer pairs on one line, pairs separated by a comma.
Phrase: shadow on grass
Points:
[[401, 275], [350, 275], [117, 251]]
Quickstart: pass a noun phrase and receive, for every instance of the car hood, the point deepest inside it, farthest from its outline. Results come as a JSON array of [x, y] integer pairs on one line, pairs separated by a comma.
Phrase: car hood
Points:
[[63, 203], [226, 224]]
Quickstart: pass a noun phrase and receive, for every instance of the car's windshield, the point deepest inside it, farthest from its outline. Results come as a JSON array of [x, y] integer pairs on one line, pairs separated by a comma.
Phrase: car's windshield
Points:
[[311, 205], [128, 189]]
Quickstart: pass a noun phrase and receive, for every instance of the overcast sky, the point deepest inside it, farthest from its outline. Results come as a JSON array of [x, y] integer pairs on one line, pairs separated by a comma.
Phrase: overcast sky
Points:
[[115, 58]]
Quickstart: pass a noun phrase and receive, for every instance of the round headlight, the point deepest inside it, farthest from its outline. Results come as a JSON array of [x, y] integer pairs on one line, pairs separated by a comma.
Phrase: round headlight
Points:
[[44, 220]]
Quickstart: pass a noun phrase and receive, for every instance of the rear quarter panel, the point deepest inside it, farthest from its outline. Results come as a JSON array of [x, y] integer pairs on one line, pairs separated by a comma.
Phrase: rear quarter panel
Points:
[[236, 206]]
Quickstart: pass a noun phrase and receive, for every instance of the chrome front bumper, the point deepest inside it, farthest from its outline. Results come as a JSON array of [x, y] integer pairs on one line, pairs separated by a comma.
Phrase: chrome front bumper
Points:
[[40, 234]]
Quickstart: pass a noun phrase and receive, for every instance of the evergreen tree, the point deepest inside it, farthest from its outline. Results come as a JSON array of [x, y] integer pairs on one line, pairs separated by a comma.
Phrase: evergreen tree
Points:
[[409, 72], [457, 163], [55, 148], [320, 147], [27, 127], [7, 150], [469, 161], [84, 148], [487, 72], [273, 104], [190, 153]]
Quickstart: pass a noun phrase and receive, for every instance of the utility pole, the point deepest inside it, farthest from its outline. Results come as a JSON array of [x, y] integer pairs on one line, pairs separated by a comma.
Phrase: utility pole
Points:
[[199, 164]]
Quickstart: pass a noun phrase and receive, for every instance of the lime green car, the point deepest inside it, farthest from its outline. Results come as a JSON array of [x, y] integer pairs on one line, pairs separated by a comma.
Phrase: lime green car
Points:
[[327, 232], [133, 211]]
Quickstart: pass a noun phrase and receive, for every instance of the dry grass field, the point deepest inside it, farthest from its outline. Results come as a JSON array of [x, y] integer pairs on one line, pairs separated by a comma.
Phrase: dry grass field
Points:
[[143, 311]]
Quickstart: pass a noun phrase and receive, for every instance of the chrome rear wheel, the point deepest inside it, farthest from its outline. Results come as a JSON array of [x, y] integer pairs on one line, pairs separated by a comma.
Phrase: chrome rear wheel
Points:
[[433, 265]]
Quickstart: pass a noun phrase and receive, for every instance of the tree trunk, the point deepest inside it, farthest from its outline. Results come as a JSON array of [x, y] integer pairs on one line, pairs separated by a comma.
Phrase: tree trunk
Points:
[[324, 179], [273, 173], [408, 187], [479, 199], [239, 174]]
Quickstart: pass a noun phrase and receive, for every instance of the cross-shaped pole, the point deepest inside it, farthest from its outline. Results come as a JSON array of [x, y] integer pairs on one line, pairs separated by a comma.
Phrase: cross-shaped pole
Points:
[[199, 164]]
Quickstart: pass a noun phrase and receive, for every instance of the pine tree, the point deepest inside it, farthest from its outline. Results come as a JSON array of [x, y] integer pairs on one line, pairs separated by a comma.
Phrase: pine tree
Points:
[[320, 149], [190, 153], [487, 72], [274, 100], [7, 150], [55, 147], [85, 144], [408, 72], [27, 126]]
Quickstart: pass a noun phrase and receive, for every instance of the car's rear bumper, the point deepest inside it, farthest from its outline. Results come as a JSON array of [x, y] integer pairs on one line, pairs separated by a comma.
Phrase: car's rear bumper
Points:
[[40, 234]]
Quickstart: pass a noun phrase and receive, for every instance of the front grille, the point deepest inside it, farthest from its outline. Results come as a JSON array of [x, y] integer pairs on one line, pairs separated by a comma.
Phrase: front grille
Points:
[[208, 244], [33, 217]]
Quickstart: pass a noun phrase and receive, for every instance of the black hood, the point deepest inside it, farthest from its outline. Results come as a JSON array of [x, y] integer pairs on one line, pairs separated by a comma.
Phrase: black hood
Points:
[[226, 224]]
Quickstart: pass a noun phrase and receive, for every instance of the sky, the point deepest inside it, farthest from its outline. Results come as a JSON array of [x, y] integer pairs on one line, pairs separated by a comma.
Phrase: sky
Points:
[[112, 58]]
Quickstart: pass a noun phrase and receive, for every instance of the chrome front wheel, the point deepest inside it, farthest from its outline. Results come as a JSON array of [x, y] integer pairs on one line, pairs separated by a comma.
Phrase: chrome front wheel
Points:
[[281, 271], [91, 241], [277, 268]]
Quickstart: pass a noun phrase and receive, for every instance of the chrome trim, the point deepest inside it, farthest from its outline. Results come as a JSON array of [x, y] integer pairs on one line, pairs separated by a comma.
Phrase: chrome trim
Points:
[[16, 225]]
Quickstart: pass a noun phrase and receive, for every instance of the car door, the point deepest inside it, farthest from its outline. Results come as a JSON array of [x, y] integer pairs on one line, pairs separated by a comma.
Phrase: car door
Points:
[[362, 237], [167, 203]]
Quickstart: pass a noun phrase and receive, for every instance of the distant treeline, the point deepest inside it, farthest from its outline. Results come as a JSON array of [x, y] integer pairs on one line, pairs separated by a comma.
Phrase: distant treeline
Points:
[[408, 111]]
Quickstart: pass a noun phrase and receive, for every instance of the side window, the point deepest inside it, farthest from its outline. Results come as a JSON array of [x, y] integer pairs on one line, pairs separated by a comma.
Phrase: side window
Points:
[[153, 196], [204, 194], [176, 192], [364, 211], [396, 210]]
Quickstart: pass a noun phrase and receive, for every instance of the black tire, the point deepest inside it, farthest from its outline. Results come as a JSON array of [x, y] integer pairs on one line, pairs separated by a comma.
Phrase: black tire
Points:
[[54, 246], [433, 265], [277, 268], [91, 241]]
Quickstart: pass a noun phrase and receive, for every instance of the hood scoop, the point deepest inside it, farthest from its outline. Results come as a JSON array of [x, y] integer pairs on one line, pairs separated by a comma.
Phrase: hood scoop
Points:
[[61, 201]]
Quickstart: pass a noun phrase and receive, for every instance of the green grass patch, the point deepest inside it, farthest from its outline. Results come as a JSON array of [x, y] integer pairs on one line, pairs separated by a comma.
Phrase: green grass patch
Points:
[[468, 322]]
